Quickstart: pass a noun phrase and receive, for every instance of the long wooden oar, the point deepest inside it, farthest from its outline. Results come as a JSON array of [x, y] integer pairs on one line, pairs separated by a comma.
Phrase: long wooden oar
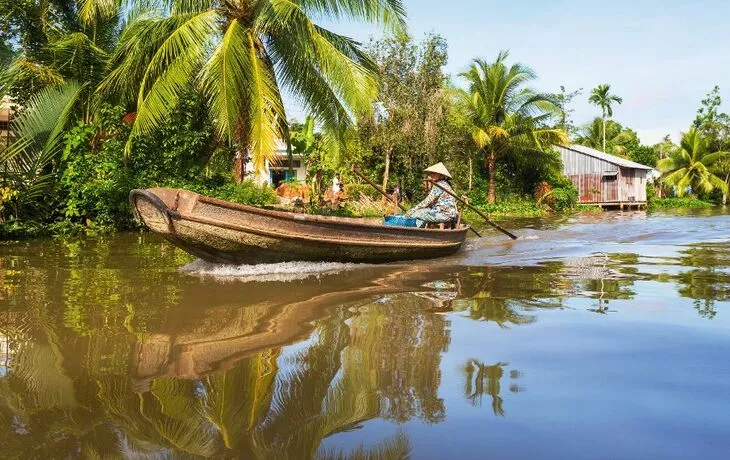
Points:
[[379, 189], [486, 219]]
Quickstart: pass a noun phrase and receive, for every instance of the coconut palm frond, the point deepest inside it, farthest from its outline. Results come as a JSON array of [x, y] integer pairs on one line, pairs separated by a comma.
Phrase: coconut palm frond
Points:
[[244, 95], [92, 11], [76, 53], [40, 125], [189, 6], [170, 72], [27, 163], [390, 13], [247, 53], [322, 75], [26, 70], [693, 167]]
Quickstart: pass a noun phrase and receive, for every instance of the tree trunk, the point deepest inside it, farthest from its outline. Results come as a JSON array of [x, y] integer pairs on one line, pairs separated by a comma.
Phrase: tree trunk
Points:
[[239, 166], [386, 173], [492, 179], [290, 159], [471, 172], [604, 132]]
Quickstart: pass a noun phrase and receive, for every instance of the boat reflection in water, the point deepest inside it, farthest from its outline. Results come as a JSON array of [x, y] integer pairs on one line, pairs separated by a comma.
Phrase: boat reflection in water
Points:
[[215, 376], [108, 359]]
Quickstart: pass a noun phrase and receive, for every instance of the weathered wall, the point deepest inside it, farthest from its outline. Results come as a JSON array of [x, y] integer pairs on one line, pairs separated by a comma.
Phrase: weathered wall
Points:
[[600, 181], [633, 185], [587, 174]]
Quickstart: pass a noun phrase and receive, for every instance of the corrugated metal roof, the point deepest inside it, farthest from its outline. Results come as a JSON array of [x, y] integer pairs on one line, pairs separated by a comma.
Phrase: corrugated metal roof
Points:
[[605, 156]]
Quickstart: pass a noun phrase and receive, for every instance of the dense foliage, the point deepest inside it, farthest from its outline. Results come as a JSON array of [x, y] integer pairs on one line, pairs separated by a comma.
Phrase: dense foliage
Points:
[[111, 96]]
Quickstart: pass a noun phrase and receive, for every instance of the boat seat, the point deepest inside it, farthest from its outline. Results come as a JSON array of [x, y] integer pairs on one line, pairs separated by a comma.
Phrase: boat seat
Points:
[[452, 224]]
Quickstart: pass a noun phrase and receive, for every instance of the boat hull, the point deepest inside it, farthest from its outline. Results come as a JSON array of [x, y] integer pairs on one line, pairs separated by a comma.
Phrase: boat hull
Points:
[[224, 232]]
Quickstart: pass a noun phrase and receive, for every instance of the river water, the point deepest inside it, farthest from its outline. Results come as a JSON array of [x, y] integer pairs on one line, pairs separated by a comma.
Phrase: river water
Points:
[[601, 336]]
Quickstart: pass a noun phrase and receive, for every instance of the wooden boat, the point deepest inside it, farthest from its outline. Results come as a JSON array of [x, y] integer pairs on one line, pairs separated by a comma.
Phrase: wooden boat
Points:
[[223, 232]]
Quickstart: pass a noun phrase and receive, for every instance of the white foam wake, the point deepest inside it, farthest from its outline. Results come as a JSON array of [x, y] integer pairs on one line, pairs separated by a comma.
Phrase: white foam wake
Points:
[[284, 271]]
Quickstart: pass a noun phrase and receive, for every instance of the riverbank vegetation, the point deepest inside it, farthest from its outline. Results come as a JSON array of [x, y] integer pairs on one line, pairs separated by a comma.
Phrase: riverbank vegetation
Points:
[[103, 99]]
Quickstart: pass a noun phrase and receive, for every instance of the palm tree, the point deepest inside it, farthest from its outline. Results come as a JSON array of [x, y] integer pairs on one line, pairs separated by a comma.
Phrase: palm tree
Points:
[[602, 97], [692, 166], [241, 54], [74, 44], [615, 138], [27, 163], [722, 169], [503, 115]]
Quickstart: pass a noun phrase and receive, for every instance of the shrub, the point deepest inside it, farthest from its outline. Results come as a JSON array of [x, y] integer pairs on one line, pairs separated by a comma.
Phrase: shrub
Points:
[[97, 174], [565, 198], [246, 193], [561, 197], [686, 202], [513, 207], [357, 191]]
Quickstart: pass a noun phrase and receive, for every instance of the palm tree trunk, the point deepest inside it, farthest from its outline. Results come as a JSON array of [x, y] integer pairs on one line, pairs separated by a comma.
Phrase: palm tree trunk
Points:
[[491, 157], [386, 173], [239, 167], [604, 130], [471, 172]]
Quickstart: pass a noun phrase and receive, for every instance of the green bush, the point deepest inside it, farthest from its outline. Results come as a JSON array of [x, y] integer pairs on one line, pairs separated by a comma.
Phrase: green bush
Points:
[[13, 229], [357, 191], [97, 174], [686, 202], [566, 198], [514, 207], [246, 193]]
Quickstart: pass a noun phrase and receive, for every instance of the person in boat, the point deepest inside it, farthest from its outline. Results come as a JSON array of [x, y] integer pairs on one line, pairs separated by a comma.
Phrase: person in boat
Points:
[[438, 207]]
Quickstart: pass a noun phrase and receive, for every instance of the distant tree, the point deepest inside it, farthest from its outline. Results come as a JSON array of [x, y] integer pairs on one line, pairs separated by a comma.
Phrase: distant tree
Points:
[[504, 115], [645, 155], [665, 147], [693, 165], [411, 111], [712, 123], [602, 97], [564, 98], [609, 136]]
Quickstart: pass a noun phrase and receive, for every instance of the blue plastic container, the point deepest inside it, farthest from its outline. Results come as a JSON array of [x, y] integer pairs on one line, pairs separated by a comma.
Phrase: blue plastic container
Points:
[[399, 221]]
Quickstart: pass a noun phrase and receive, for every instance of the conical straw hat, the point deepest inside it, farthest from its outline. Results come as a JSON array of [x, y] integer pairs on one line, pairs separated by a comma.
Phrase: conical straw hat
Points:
[[439, 168]]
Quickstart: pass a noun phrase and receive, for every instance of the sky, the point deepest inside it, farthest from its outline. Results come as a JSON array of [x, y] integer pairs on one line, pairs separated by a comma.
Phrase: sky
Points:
[[661, 57]]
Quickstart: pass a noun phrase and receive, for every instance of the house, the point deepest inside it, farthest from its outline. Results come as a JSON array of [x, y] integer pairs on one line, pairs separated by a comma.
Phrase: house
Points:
[[602, 179], [276, 172]]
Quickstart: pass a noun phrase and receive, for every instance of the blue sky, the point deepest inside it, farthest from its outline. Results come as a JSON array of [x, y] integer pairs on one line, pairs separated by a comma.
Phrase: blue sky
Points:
[[662, 57]]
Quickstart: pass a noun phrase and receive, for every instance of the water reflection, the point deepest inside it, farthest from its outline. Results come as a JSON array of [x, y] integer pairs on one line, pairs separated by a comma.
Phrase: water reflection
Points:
[[106, 350], [485, 379]]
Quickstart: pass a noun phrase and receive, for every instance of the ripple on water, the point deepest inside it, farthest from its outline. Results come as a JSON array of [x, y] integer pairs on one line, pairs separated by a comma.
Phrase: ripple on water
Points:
[[284, 271]]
